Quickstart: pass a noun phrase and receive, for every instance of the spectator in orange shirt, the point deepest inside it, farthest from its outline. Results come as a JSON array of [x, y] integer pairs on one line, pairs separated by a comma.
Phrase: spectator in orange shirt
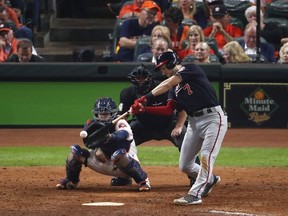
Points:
[[178, 33], [194, 36], [221, 29], [8, 43], [130, 10], [116, 7], [8, 13], [132, 29]]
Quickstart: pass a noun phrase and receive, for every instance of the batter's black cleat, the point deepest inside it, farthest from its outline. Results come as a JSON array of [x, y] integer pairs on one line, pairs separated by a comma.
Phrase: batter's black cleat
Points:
[[118, 181], [208, 187], [188, 200]]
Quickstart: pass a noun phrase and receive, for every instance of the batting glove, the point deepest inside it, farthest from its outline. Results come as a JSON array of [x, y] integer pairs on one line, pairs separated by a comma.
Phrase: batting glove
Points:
[[141, 100], [137, 108]]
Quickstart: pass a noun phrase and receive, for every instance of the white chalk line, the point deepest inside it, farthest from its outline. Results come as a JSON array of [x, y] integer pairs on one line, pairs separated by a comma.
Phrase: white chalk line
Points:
[[231, 213], [103, 204]]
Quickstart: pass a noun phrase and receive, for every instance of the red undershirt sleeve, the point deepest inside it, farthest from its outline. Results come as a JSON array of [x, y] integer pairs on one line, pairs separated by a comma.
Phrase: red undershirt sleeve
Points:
[[162, 110]]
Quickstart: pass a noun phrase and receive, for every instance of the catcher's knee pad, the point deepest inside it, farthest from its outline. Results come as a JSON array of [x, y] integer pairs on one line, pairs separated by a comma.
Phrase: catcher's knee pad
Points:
[[79, 154], [121, 158], [128, 165]]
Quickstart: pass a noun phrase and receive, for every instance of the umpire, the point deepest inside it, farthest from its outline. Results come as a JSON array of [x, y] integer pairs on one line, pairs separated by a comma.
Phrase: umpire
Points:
[[146, 126]]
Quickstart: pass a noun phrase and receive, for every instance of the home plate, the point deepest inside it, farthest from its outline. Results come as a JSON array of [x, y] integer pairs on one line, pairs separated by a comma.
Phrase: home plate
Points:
[[103, 204]]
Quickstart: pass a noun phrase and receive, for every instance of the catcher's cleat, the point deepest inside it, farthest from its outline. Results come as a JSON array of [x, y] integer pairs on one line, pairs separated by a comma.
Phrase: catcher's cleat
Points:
[[188, 200], [118, 181], [208, 187], [145, 186], [66, 184]]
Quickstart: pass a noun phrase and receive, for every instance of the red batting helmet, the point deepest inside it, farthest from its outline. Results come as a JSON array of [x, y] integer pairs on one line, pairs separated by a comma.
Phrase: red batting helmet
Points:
[[170, 59]]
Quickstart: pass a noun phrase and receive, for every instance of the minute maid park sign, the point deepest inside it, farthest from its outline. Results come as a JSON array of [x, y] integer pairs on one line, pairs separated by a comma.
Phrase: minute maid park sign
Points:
[[259, 106]]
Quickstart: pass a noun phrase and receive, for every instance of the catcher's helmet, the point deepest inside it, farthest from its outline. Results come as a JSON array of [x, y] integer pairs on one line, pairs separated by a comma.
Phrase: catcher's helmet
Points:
[[141, 77], [170, 59], [105, 105]]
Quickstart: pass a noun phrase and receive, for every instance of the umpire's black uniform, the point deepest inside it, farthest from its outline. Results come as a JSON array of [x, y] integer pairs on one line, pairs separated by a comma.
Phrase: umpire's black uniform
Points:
[[146, 126]]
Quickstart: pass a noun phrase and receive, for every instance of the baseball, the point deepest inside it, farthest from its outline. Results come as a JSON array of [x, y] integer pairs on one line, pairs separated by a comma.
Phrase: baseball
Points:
[[83, 134]]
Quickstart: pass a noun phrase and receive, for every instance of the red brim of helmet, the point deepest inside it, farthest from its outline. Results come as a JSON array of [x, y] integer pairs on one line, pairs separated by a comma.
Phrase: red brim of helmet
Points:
[[160, 64]]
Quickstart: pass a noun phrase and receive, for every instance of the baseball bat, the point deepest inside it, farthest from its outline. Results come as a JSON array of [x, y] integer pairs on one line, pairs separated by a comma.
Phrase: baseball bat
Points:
[[121, 117]]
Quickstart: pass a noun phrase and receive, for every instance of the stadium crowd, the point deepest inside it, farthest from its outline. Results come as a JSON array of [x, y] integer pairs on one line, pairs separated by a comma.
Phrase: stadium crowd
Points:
[[191, 22], [186, 23], [19, 23]]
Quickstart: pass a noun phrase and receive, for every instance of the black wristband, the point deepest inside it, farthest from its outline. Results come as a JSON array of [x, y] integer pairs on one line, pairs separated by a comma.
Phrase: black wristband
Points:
[[149, 96]]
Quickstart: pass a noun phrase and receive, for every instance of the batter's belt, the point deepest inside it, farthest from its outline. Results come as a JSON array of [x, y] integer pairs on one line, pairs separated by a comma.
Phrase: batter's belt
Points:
[[204, 111]]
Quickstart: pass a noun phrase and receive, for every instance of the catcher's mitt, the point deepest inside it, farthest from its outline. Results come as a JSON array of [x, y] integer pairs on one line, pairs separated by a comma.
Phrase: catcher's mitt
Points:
[[98, 134]]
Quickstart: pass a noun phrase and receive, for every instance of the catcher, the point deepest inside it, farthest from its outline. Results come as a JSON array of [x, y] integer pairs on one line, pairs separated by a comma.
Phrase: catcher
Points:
[[111, 149]]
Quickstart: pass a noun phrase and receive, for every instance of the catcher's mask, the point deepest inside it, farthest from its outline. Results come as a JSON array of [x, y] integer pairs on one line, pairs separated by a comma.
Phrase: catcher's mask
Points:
[[105, 110], [169, 59], [141, 77]]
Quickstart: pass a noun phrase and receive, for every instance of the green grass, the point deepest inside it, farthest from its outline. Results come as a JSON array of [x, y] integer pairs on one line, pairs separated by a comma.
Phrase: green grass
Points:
[[253, 157], [33, 156], [149, 155]]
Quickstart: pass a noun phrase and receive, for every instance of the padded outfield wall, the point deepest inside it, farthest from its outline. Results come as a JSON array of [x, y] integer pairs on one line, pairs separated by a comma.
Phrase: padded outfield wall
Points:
[[63, 94]]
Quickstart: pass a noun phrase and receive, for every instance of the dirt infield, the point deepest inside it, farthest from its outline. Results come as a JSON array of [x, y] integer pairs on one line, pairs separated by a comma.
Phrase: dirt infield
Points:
[[243, 191]]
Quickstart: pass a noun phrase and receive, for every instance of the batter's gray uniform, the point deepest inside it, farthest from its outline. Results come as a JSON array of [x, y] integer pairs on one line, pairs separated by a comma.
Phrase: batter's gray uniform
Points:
[[207, 123], [205, 134]]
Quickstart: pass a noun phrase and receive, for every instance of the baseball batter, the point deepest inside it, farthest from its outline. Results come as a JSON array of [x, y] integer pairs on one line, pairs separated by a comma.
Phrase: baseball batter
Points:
[[190, 90], [111, 152]]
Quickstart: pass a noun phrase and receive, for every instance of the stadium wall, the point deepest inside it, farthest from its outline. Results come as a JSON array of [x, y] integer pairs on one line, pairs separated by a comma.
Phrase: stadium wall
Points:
[[63, 94]]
